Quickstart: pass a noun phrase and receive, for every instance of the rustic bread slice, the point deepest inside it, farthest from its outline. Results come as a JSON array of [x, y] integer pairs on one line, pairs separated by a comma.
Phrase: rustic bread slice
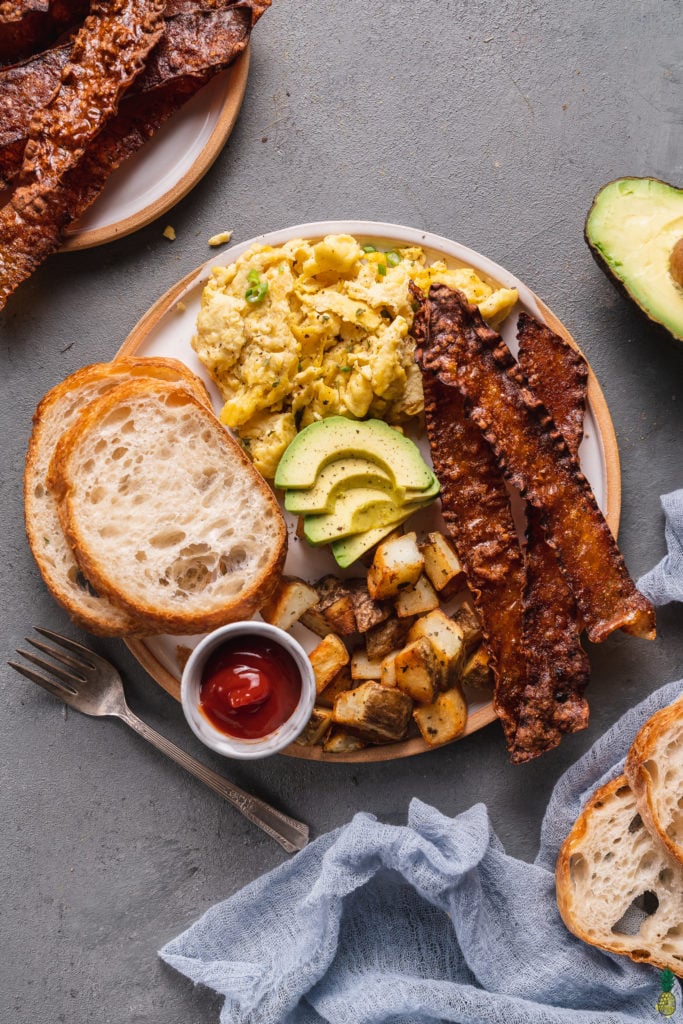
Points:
[[654, 769], [166, 514], [618, 887], [55, 413]]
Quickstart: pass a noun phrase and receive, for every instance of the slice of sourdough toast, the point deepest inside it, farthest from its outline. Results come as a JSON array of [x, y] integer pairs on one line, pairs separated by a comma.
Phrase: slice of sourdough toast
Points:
[[618, 887], [166, 514], [654, 769], [55, 413]]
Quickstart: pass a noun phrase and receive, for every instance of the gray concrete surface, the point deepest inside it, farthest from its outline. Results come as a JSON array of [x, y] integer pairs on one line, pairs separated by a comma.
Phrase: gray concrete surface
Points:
[[493, 124]]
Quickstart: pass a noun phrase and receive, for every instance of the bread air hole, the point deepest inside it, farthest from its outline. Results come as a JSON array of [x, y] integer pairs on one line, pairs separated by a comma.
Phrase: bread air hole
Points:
[[578, 868], [652, 770], [77, 578], [167, 539], [636, 823], [118, 415], [666, 876], [639, 909]]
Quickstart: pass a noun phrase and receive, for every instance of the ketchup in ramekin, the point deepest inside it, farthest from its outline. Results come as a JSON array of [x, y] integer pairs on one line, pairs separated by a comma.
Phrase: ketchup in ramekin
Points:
[[249, 687]]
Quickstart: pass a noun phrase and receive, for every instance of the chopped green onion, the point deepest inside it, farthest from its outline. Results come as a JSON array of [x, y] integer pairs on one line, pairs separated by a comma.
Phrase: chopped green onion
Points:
[[360, 311], [368, 248], [253, 277], [381, 269], [275, 383], [393, 258], [346, 369], [256, 293], [281, 269]]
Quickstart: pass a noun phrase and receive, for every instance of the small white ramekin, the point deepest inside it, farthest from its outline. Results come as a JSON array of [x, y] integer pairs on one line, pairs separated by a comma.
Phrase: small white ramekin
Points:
[[233, 746]]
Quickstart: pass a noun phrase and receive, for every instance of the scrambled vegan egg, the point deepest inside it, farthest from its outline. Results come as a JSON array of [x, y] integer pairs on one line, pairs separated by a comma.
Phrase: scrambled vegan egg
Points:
[[303, 331]]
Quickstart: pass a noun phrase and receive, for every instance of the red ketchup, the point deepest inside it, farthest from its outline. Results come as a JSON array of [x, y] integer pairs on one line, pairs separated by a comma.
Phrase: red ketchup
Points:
[[249, 687]]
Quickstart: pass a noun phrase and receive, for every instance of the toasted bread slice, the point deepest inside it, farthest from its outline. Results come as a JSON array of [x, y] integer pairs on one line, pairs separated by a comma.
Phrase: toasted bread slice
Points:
[[618, 887], [55, 413], [654, 769], [166, 514]]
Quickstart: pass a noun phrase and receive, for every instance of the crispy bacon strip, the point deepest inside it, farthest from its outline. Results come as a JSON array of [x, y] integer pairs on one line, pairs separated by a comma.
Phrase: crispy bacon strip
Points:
[[107, 54], [193, 43], [476, 509], [553, 702], [467, 355], [39, 233], [29, 25]]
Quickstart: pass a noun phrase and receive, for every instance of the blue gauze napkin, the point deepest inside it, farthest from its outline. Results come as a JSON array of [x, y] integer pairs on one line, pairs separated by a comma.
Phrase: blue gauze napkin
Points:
[[430, 921], [664, 583]]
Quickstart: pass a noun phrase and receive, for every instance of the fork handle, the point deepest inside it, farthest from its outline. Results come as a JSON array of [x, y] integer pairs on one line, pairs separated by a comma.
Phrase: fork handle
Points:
[[291, 834]]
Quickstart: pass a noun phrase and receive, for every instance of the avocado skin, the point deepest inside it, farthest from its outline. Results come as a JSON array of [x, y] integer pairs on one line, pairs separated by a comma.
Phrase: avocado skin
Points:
[[661, 328]]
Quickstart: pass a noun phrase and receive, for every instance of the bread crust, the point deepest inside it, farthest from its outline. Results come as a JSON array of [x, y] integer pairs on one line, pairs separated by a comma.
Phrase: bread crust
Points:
[[97, 616], [639, 777], [575, 843], [157, 620]]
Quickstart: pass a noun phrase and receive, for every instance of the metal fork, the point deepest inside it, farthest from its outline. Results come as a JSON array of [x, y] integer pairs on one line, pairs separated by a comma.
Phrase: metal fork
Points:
[[92, 685]]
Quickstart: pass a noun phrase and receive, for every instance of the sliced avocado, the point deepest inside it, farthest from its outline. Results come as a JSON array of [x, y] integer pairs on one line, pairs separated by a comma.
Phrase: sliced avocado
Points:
[[355, 511], [339, 437], [349, 549], [342, 474], [632, 229]]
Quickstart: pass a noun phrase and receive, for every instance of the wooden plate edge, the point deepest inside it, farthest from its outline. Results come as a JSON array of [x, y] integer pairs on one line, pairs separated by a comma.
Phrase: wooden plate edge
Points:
[[484, 715], [237, 74]]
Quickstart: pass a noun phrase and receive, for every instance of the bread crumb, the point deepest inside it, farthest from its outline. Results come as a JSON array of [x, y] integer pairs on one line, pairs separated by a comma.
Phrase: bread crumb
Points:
[[180, 307], [182, 654], [169, 233], [221, 238]]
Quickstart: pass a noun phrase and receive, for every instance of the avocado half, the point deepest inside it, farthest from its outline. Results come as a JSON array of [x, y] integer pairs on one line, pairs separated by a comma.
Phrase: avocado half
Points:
[[633, 228]]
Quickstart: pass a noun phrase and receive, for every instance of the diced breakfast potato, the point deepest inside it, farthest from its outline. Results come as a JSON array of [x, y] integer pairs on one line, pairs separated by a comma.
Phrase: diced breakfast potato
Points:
[[318, 725], [385, 638], [442, 564], [369, 613], [418, 671], [446, 639], [388, 670], [363, 668], [416, 600], [317, 623], [445, 719], [397, 564], [327, 659], [468, 620], [335, 605], [376, 713], [477, 671], [290, 601], [340, 741], [341, 682]]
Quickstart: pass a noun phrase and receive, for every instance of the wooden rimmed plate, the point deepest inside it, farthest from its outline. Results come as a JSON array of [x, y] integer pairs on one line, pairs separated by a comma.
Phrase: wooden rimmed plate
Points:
[[166, 330], [167, 167]]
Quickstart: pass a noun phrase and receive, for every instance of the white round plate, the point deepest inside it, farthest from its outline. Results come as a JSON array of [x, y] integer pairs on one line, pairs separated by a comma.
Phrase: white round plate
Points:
[[164, 170], [166, 330]]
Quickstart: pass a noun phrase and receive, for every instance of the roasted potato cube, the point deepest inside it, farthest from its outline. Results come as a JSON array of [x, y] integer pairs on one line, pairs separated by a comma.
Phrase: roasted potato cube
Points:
[[397, 564], [446, 639], [468, 620], [363, 668], [334, 606], [342, 681], [419, 672], [477, 671], [374, 712], [385, 638], [416, 600], [442, 564], [443, 720], [291, 599], [327, 659], [369, 613], [340, 741], [388, 670], [316, 729]]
